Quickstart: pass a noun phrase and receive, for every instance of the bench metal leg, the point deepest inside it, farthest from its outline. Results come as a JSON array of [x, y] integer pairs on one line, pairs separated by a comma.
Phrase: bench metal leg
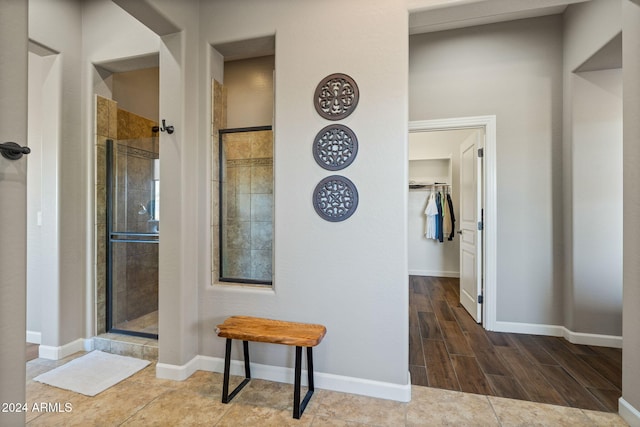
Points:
[[298, 407], [226, 397]]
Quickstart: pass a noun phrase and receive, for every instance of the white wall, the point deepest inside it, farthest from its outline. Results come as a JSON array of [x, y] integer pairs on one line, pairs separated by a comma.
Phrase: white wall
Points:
[[597, 202], [249, 84], [512, 70], [426, 256], [350, 276]]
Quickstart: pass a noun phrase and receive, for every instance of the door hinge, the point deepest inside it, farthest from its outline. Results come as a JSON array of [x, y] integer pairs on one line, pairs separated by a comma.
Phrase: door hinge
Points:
[[480, 152], [480, 299], [480, 225]]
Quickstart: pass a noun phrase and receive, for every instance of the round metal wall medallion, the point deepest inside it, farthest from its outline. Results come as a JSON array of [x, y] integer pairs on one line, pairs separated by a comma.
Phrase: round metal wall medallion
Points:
[[335, 198], [335, 147], [336, 96]]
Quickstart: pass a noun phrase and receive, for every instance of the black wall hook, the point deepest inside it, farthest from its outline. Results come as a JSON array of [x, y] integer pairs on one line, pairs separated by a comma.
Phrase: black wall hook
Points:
[[13, 151], [168, 129]]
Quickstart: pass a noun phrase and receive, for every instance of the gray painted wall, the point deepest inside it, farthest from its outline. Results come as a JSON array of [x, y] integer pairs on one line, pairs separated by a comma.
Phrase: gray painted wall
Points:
[[250, 96], [38, 67], [137, 91], [350, 276], [587, 27], [552, 270], [512, 70], [631, 165], [64, 316], [13, 194], [597, 202]]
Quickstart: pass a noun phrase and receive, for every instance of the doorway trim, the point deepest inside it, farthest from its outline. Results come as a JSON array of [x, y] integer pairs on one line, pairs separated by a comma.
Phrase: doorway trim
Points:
[[490, 215]]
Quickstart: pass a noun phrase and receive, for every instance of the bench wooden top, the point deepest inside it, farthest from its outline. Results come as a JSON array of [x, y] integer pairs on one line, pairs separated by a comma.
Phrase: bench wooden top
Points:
[[271, 331]]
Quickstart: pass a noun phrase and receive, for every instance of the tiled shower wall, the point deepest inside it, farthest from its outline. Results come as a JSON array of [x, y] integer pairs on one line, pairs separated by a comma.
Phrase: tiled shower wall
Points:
[[249, 200], [135, 265], [248, 230], [219, 121], [135, 278]]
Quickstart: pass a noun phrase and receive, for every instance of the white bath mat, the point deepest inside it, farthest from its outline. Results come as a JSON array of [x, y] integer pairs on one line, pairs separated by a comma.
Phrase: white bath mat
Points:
[[92, 373]]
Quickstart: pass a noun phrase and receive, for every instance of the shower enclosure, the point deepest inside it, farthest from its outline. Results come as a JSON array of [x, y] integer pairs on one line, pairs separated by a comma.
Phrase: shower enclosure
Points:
[[246, 205], [132, 219]]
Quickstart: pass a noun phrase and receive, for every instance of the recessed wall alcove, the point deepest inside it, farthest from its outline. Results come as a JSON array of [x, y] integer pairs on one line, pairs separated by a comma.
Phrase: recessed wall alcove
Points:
[[242, 163]]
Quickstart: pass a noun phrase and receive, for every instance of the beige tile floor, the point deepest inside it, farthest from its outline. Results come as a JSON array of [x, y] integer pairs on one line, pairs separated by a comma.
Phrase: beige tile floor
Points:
[[144, 400]]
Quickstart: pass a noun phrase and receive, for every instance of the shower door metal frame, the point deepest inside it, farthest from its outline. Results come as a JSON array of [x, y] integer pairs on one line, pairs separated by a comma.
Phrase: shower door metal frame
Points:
[[118, 237], [221, 208]]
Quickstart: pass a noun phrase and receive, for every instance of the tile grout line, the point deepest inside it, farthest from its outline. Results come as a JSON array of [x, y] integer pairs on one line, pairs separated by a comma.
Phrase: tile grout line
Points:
[[494, 411], [229, 405], [144, 406]]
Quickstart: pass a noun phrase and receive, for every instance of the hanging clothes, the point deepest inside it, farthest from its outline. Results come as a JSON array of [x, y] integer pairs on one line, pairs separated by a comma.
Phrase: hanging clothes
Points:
[[452, 218], [446, 215], [431, 213], [439, 231]]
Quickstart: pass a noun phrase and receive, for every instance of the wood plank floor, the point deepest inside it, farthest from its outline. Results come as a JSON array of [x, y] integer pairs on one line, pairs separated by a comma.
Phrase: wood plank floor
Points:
[[447, 349], [32, 351]]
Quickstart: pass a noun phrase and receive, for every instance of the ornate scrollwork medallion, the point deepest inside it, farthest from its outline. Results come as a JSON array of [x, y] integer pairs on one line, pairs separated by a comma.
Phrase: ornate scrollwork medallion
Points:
[[335, 147], [336, 96], [335, 198]]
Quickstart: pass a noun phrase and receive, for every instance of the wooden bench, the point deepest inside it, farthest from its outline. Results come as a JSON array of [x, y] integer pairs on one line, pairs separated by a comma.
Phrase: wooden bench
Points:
[[275, 332]]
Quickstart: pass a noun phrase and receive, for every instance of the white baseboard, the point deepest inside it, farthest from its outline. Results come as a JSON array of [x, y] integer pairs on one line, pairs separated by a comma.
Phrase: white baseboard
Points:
[[177, 372], [529, 328], [593, 339], [34, 337], [628, 413], [559, 331], [397, 392], [57, 353], [433, 273]]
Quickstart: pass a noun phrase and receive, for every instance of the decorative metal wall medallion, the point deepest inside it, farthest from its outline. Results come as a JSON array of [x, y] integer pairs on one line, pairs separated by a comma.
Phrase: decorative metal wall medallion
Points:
[[335, 198], [336, 96], [335, 147]]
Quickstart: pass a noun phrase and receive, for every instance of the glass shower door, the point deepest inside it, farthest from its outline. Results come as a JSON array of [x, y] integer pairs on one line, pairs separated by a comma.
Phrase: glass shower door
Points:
[[133, 220]]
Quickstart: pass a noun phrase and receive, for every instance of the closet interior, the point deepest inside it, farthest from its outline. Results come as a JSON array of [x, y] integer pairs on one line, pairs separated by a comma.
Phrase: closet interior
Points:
[[433, 169]]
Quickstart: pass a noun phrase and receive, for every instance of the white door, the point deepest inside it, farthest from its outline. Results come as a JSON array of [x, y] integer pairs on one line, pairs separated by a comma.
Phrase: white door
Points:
[[470, 219], [13, 206]]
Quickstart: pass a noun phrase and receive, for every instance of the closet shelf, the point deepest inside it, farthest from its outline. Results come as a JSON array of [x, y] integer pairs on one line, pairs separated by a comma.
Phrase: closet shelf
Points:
[[430, 159]]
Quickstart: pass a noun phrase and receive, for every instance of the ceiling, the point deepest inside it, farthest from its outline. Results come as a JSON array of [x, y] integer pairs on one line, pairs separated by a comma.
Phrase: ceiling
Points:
[[130, 64], [252, 48], [426, 17]]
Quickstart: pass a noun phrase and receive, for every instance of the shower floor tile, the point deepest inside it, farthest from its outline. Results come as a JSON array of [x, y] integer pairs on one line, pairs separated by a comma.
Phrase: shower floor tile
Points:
[[147, 323]]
